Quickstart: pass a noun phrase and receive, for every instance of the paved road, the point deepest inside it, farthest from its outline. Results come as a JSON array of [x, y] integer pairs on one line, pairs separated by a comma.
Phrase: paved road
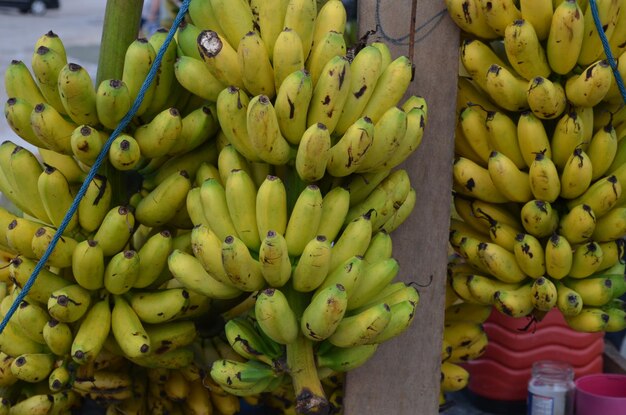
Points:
[[77, 22]]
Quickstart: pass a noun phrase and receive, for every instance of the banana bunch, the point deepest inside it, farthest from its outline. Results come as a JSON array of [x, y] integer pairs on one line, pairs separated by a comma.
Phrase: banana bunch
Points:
[[538, 169], [288, 91]]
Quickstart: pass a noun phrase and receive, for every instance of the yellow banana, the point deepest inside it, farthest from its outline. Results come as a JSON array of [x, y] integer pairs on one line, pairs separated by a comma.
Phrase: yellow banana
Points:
[[165, 78], [288, 55], [158, 137], [78, 94], [500, 262], [509, 180], [17, 113], [546, 99], [532, 137], [292, 104], [601, 196], [56, 196], [313, 153], [301, 16], [271, 206], [594, 291], [589, 320], [51, 128], [591, 86], [19, 83], [113, 101], [128, 330], [244, 271], [474, 129], [567, 135], [544, 178], [569, 302], [138, 59], [304, 219], [591, 48], [609, 226], [503, 136], [601, 150], [95, 204], [275, 316], [473, 180], [269, 16], [524, 50], [328, 46], [506, 88], [241, 195], [578, 224], [69, 304], [565, 38], [88, 264], [559, 256], [274, 259], [215, 208], [87, 142], [256, 69], [347, 154], [544, 294], [115, 230], [46, 64], [220, 56], [193, 75], [539, 14], [586, 260], [61, 254], [125, 153], [576, 174], [264, 134], [313, 265], [470, 16], [476, 57], [361, 328], [499, 14], [234, 17], [514, 303]]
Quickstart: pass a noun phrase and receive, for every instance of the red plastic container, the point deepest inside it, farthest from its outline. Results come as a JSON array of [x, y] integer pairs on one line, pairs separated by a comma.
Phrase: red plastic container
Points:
[[502, 373]]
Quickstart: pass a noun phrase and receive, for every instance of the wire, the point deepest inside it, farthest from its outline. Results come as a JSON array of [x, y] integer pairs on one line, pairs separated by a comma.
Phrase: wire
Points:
[[96, 166]]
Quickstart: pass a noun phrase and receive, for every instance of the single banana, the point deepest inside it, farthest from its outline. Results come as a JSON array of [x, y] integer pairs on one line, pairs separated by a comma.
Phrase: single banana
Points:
[[17, 113], [347, 274], [503, 235], [215, 208], [611, 253], [416, 123], [328, 46], [578, 224], [569, 302], [160, 306], [275, 316], [202, 15], [87, 142], [151, 212], [506, 88], [190, 272], [509, 180], [500, 262], [264, 134], [165, 77], [304, 219], [92, 332], [514, 303], [56, 196], [545, 183], [503, 136], [609, 226], [470, 16], [47, 282], [269, 17], [474, 180], [46, 64], [33, 367], [243, 270], [373, 279], [313, 153], [565, 38], [559, 256], [113, 100], [342, 359], [594, 291], [256, 69], [588, 320], [247, 341], [58, 337], [115, 230], [241, 195], [591, 48], [476, 57], [524, 50], [88, 264], [601, 196], [361, 328], [324, 313], [31, 318], [313, 265], [158, 137], [78, 94], [587, 259], [288, 55], [19, 83], [95, 204], [591, 86], [546, 99], [198, 127], [274, 259], [51, 128], [453, 377], [389, 131], [532, 137], [602, 150], [500, 14], [193, 75], [153, 258], [61, 254], [539, 14], [138, 58], [234, 17], [52, 41], [543, 294], [481, 289], [473, 128], [301, 16], [121, 272], [125, 153], [220, 57], [69, 304], [348, 153], [128, 330], [390, 88], [576, 174], [335, 207]]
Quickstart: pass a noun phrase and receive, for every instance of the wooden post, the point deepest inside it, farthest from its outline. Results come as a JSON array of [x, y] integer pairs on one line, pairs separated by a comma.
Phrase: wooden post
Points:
[[403, 377]]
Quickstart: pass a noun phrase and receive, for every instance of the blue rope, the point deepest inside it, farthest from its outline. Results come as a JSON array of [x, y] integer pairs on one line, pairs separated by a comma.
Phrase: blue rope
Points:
[[607, 49], [96, 165]]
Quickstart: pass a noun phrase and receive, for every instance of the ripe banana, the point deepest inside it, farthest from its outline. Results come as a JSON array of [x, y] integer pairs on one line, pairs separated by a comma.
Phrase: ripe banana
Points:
[[565, 38]]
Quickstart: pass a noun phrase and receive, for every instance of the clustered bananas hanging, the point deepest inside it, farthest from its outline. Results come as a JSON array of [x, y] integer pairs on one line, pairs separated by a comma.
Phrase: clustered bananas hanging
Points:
[[236, 243]]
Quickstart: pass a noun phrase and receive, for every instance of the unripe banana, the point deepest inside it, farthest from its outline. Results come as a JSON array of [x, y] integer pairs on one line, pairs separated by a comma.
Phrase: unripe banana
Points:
[[348, 153], [594, 291], [344, 359], [264, 134], [324, 313], [151, 210], [275, 316], [191, 274], [539, 218], [165, 77], [508, 179], [58, 337], [304, 219], [46, 64], [380, 247], [545, 183], [242, 269], [524, 51], [193, 75], [157, 137], [274, 259], [78, 94], [113, 101], [220, 56], [38, 404], [591, 86], [353, 240], [546, 99], [612, 252], [313, 265], [246, 340], [514, 303], [313, 153], [59, 378], [360, 185], [372, 280], [576, 175], [256, 69], [92, 332], [115, 230]]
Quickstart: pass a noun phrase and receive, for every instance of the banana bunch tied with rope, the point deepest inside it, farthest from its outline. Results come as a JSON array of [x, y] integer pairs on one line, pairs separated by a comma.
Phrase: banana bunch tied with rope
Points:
[[540, 121], [288, 90]]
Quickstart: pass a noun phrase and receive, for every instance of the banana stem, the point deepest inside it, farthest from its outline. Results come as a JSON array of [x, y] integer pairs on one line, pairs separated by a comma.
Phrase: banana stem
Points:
[[120, 28], [310, 397]]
